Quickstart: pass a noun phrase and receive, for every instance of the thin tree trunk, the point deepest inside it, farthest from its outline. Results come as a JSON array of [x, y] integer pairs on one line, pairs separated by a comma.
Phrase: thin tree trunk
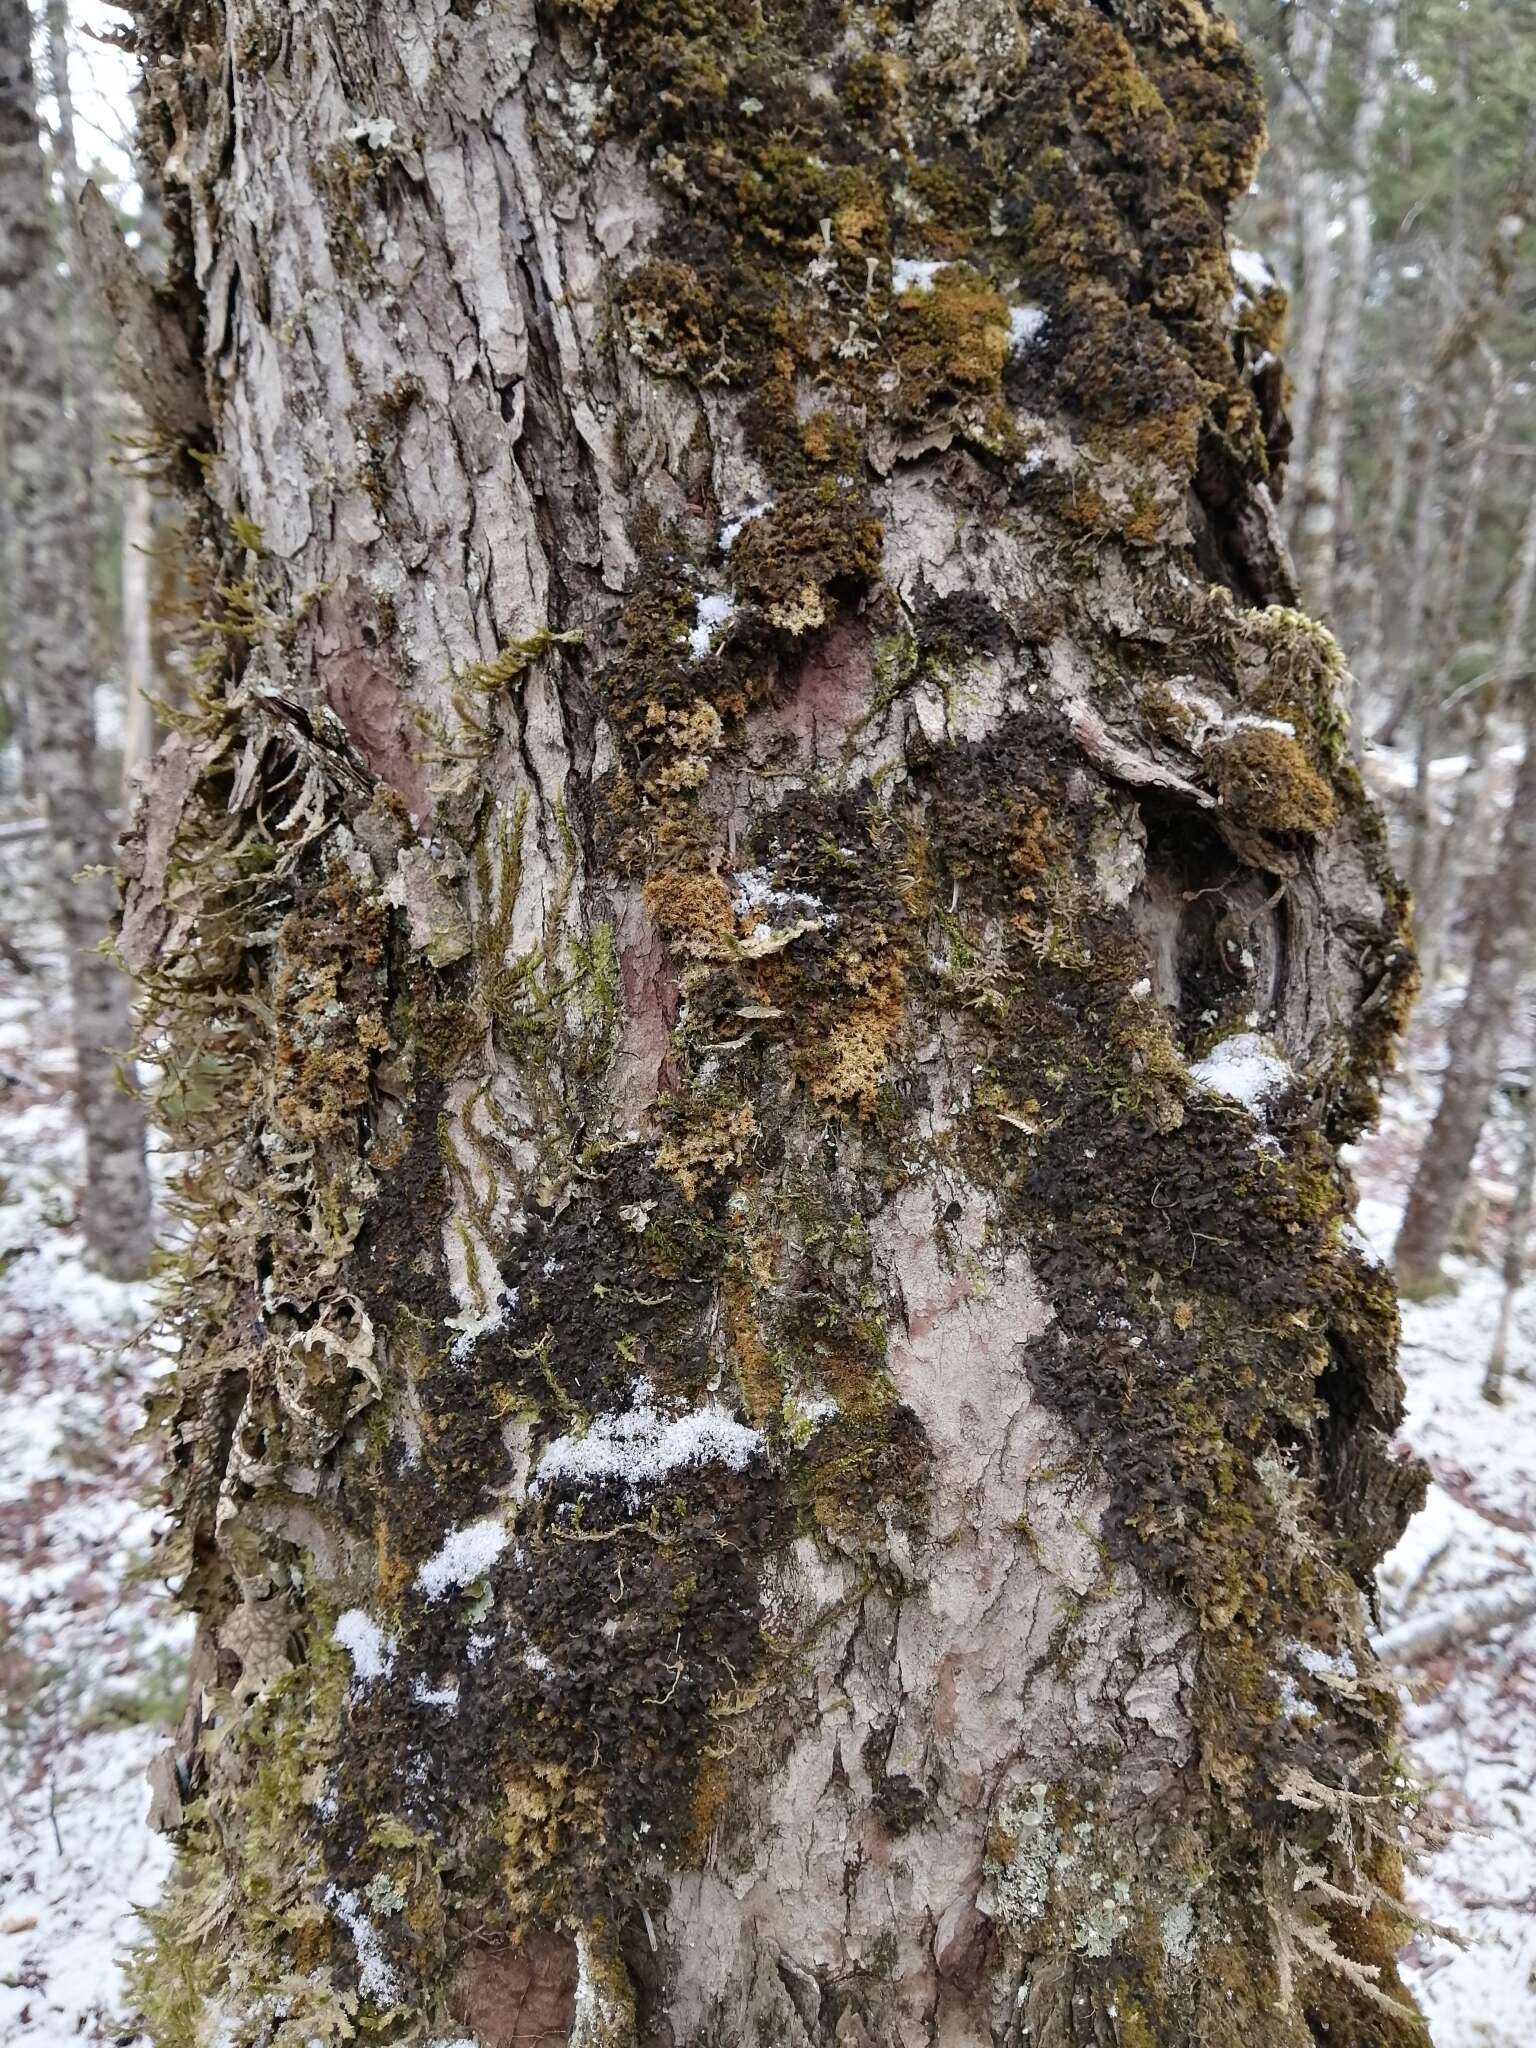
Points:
[[1516, 1237], [761, 1451], [1444, 641], [80, 371], [1464, 842], [1320, 496], [1473, 1620], [1311, 59], [1505, 923], [138, 629], [51, 646]]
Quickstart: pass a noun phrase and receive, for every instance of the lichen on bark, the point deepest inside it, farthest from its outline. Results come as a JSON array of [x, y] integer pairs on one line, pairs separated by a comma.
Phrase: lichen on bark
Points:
[[763, 1448]]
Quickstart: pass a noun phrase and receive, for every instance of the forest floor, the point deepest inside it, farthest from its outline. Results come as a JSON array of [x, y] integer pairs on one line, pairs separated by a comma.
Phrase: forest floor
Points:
[[91, 1650]]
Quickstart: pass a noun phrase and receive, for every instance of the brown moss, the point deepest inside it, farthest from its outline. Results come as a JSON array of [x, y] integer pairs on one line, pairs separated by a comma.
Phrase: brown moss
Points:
[[1267, 782], [793, 560]]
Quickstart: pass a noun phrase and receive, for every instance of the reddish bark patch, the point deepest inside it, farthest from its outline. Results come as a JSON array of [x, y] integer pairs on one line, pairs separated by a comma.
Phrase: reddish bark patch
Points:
[[650, 1012], [520, 1997], [963, 1962], [832, 690], [370, 705]]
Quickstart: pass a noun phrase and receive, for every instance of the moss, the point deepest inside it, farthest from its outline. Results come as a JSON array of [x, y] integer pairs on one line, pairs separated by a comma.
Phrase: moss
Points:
[[1266, 781], [794, 560]]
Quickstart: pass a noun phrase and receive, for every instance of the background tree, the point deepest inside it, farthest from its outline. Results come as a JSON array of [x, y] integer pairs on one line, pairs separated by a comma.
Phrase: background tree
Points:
[[777, 1433], [50, 627]]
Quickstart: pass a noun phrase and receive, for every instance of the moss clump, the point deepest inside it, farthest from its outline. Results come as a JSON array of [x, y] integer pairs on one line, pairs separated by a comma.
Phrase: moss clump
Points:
[[1267, 782], [795, 559], [950, 341], [327, 998]]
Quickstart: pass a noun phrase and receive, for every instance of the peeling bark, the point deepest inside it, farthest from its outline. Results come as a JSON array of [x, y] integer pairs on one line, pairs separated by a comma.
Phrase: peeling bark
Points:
[[765, 1449]]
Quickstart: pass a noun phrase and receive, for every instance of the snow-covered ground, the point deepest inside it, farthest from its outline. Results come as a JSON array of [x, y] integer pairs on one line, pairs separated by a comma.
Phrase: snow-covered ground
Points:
[[91, 1656], [1470, 1712]]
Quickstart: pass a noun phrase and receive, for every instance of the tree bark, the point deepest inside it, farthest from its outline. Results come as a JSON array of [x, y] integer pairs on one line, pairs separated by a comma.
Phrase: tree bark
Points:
[[1517, 1231], [1464, 843], [1506, 919], [1311, 59], [51, 641], [1320, 495], [778, 1433]]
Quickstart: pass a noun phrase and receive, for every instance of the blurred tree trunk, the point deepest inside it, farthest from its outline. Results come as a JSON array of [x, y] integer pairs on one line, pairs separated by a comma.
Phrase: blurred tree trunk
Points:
[[138, 627], [1310, 59], [1321, 482], [51, 639], [778, 1435], [1444, 642], [1516, 1239], [1464, 842], [1501, 950]]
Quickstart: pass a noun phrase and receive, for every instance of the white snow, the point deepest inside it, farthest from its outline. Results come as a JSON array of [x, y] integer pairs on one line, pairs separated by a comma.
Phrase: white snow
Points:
[[1025, 324], [640, 1446], [1250, 269], [732, 527], [371, 1651], [915, 273], [1245, 1067], [376, 1975], [444, 1695], [464, 1556], [712, 615]]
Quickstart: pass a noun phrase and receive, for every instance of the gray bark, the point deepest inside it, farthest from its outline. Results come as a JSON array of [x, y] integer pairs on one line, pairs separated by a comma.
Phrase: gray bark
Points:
[[139, 681], [760, 1451], [1465, 841], [51, 648], [1320, 495], [1311, 59], [1472, 1620], [1501, 949]]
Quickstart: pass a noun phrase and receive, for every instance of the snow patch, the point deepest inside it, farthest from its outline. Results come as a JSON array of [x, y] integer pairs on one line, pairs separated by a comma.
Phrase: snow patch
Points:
[[1025, 324], [463, 1556], [1244, 1067], [915, 273], [444, 1695], [376, 1977], [371, 1651], [713, 614], [1251, 270], [732, 527], [642, 1445]]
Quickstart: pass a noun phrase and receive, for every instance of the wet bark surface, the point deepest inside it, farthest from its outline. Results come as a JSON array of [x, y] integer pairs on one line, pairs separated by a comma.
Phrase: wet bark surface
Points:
[[769, 933]]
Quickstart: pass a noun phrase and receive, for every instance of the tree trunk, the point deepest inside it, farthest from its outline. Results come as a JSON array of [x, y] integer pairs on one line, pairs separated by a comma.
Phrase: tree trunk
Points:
[[1464, 842], [1517, 1231], [1506, 920], [138, 629], [778, 1434], [51, 641], [1322, 484], [1311, 58]]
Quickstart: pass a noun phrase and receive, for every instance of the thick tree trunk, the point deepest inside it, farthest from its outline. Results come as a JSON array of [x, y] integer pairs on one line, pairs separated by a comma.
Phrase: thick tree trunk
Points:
[[1501, 951], [51, 642], [764, 940]]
